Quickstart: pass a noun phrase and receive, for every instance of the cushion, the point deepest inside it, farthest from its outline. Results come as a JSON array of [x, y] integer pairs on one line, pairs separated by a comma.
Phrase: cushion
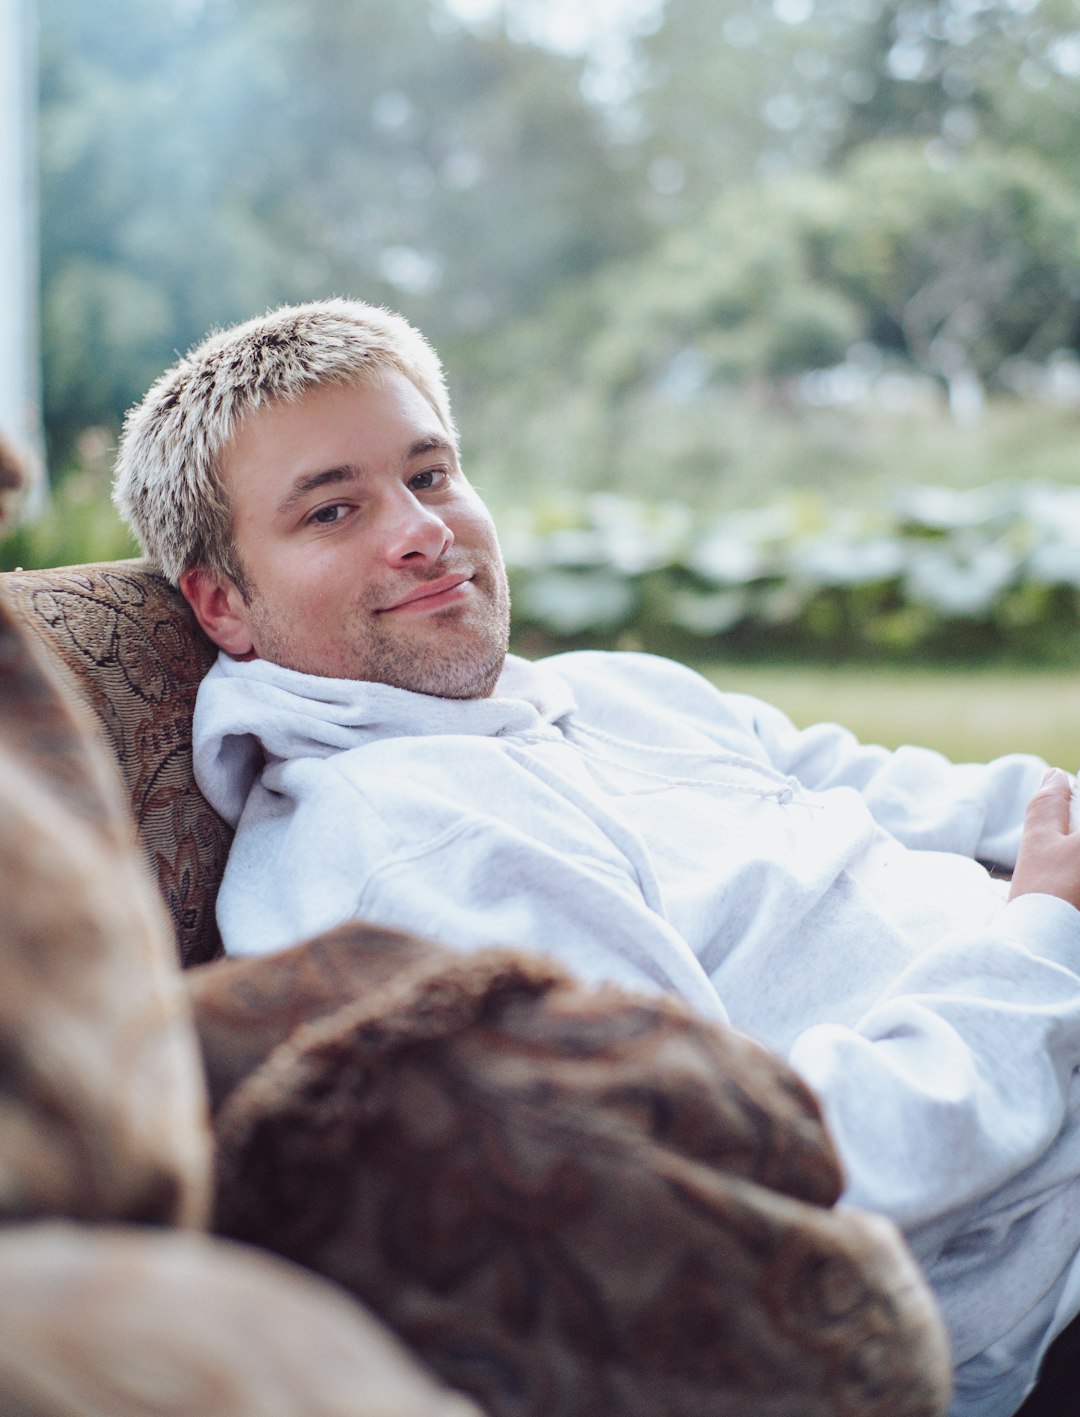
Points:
[[128, 644], [112, 1322], [569, 1200], [103, 1105]]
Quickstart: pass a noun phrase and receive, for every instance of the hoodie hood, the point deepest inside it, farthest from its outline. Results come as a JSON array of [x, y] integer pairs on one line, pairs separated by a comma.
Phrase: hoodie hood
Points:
[[249, 712]]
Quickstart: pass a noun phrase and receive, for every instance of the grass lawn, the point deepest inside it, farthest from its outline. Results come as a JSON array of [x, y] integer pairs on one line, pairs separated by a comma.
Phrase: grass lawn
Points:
[[969, 714]]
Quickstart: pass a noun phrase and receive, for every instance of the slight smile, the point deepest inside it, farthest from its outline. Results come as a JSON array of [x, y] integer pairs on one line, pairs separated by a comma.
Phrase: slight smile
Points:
[[432, 595]]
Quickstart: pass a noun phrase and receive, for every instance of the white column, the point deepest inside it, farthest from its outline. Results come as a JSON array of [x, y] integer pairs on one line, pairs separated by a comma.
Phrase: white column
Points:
[[20, 378]]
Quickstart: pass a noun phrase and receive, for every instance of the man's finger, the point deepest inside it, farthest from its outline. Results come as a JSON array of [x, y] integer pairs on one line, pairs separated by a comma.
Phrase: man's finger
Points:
[[1048, 810]]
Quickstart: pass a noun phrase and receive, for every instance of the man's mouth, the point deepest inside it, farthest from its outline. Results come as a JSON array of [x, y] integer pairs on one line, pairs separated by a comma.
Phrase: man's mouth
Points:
[[432, 595]]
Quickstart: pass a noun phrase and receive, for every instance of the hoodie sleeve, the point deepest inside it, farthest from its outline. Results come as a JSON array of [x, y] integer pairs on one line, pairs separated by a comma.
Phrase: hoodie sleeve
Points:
[[957, 1079], [918, 795], [922, 798]]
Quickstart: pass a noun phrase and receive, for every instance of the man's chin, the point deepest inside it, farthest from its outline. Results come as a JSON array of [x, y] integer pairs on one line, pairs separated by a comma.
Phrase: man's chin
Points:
[[475, 679], [469, 668]]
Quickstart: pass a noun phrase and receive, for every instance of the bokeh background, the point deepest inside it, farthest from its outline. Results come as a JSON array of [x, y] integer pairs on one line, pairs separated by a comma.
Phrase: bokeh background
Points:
[[761, 317]]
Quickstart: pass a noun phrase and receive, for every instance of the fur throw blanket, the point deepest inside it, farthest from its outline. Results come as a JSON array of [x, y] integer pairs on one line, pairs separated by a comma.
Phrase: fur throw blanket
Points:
[[568, 1201]]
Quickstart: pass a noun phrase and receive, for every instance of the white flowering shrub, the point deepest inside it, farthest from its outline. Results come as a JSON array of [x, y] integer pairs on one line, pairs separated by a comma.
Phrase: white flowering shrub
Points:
[[935, 572]]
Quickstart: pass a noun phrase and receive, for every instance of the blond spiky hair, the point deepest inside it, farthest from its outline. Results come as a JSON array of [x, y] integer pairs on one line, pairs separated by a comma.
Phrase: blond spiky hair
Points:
[[168, 485]]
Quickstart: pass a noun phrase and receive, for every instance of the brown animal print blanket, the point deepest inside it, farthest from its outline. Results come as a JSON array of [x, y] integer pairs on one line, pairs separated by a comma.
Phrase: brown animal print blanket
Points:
[[568, 1201]]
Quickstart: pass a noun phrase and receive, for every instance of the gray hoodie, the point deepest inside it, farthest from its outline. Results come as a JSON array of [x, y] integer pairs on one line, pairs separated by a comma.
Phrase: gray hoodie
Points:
[[619, 813]]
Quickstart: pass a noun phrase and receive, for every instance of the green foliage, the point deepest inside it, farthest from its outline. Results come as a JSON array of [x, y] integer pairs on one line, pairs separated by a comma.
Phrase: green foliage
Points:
[[774, 182], [646, 292], [929, 574], [738, 91], [969, 262], [149, 220], [78, 526], [683, 368], [201, 162], [936, 573]]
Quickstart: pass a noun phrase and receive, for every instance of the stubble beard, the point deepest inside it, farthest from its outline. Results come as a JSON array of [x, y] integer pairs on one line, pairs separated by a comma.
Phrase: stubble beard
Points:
[[459, 653], [463, 654]]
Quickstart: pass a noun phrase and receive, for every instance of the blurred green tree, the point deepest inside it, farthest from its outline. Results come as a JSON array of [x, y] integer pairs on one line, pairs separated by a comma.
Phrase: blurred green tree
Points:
[[153, 213], [733, 89], [203, 159], [955, 73], [678, 369], [962, 264], [626, 282], [954, 267]]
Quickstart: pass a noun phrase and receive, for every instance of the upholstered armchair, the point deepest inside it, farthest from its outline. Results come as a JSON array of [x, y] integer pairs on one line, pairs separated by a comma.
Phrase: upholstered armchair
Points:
[[466, 1182]]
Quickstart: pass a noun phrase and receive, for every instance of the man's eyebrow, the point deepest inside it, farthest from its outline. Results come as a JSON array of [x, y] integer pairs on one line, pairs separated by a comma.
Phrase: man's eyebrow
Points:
[[350, 472], [433, 443], [312, 481]]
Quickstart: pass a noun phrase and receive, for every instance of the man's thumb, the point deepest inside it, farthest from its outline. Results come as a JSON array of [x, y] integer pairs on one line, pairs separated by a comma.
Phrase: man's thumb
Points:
[[1049, 808]]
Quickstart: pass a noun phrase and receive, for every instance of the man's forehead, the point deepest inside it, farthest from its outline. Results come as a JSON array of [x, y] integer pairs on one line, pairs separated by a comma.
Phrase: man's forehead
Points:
[[380, 388]]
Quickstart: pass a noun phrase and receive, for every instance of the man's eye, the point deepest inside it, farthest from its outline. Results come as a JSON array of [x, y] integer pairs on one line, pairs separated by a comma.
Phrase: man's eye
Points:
[[426, 480], [327, 516]]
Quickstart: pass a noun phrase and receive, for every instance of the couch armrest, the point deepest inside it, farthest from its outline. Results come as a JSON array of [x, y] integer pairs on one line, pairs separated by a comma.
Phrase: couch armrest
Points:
[[130, 649]]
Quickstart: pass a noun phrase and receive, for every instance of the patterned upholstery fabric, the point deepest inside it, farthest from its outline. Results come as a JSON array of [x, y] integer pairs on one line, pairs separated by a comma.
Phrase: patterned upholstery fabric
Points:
[[129, 646], [102, 1098]]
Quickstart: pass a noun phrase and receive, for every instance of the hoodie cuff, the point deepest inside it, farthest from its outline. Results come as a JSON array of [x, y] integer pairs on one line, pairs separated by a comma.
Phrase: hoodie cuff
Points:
[[1046, 926]]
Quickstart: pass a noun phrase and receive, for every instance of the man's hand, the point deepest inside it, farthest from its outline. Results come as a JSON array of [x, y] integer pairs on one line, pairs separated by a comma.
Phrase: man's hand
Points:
[[1049, 858]]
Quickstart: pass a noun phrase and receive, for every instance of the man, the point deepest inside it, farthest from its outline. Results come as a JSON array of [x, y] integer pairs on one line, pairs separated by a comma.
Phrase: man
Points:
[[383, 758]]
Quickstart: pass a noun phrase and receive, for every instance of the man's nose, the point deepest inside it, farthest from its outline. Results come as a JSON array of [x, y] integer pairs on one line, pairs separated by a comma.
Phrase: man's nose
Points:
[[415, 533]]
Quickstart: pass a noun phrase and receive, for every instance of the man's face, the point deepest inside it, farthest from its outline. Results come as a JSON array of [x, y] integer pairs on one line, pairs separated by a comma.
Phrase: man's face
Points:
[[367, 554]]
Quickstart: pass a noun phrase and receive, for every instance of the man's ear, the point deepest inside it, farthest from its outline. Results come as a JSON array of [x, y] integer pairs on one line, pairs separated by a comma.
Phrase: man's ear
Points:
[[219, 608]]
